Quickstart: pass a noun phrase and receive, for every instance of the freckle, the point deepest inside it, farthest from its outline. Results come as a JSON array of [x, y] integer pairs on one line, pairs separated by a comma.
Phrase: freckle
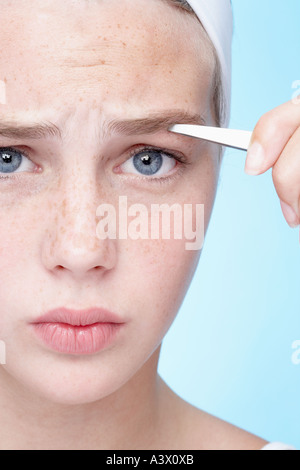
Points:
[[103, 62]]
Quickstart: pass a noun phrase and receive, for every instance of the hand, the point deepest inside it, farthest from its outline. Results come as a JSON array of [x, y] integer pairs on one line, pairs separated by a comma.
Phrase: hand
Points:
[[276, 143]]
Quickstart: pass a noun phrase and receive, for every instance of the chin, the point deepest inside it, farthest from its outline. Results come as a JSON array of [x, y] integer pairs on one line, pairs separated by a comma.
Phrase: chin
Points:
[[78, 384]]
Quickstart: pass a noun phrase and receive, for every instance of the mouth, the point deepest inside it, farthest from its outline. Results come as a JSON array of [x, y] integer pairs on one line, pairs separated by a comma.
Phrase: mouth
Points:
[[78, 332]]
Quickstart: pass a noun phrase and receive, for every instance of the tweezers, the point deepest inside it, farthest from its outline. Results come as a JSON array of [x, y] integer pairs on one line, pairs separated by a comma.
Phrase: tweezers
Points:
[[236, 139]]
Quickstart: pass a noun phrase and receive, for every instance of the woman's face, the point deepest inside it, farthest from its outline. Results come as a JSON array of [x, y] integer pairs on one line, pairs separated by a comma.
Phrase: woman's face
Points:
[[96, 72]]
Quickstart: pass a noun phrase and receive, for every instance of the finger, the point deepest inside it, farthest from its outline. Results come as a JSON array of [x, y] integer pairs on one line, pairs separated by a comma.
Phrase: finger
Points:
[[270, 136], [286, 178], [289, 214]]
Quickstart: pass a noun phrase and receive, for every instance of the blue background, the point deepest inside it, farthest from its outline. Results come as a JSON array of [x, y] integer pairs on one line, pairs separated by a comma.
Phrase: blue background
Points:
[[229, 350]]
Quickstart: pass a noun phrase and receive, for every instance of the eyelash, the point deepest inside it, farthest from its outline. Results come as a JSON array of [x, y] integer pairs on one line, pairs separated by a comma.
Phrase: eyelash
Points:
[[179, 159]]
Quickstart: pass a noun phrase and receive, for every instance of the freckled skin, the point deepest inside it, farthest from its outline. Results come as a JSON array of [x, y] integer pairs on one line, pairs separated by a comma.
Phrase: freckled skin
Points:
[[78, 64]]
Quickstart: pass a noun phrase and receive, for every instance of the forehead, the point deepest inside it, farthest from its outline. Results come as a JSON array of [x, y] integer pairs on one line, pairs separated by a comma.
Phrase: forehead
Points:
[[117, 55]]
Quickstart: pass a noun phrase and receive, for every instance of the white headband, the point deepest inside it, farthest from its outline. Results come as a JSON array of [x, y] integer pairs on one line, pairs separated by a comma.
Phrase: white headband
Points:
[[216, 18]]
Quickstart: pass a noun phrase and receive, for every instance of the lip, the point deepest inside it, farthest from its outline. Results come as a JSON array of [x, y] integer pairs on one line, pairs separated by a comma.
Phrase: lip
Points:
[[77, 331]]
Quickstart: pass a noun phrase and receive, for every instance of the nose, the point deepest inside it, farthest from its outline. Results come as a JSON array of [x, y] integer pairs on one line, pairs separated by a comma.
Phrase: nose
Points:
[[71, 244]]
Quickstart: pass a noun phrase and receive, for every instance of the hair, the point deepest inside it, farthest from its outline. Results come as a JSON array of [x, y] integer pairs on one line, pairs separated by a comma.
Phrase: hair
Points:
[[183, 4], [218, 94]]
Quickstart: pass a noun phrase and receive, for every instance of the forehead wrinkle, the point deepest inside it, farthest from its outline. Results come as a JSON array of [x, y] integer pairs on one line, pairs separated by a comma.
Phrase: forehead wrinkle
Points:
[[110, 56], [89, 56], [143, 45]]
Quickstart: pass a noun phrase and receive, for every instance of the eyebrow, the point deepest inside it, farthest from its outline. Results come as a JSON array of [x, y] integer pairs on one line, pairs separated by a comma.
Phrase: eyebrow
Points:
[[16, 130], [155, 122], [150, 124]]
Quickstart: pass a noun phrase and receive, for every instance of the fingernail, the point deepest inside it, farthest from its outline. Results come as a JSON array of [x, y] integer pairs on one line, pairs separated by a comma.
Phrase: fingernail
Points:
[[290, 215], [255, 159]]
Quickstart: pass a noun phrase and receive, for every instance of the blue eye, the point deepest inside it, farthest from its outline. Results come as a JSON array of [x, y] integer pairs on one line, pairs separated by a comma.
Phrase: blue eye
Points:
[[12, 160], [149, 163], [9, 161]]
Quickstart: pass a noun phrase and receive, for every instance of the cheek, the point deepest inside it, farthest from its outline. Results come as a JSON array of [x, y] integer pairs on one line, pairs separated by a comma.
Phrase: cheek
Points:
[[159, 276], [19, 225]]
